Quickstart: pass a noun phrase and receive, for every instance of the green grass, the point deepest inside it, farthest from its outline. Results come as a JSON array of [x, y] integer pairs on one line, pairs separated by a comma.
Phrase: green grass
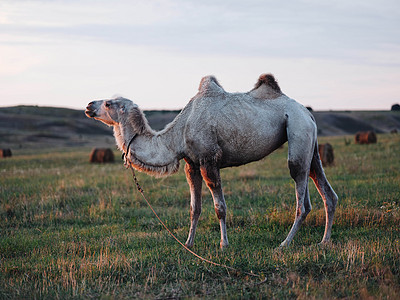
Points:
[[70, 229]]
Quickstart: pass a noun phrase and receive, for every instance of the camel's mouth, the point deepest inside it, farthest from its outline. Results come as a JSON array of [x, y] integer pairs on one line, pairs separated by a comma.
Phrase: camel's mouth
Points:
[[89, 110], [90, 113]]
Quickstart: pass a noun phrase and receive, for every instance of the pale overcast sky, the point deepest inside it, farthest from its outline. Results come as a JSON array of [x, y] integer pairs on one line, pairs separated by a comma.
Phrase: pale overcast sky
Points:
[[325, 54]]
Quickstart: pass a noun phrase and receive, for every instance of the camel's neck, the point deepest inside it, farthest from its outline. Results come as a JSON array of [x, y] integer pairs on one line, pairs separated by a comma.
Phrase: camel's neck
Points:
[[155, 153]]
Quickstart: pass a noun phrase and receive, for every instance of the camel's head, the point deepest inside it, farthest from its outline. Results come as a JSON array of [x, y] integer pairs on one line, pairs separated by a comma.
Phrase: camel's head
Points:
[[110, 111]]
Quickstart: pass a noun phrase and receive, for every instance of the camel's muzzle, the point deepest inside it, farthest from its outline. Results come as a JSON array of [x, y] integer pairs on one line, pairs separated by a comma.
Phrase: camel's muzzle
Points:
[[89, 110]]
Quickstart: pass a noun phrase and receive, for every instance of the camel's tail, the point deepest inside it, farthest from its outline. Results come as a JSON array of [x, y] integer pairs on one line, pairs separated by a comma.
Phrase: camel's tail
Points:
[[317, 174], [316, 169]]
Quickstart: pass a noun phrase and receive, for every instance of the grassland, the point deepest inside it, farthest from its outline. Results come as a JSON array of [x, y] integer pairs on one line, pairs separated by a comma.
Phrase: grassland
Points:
[[70, 229]]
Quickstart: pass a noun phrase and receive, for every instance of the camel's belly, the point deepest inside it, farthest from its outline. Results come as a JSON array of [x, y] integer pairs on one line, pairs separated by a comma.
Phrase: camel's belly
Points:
[[243, 150]]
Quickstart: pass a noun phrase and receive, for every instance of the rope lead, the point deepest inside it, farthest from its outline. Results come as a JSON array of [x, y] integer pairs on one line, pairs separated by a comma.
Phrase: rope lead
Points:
[[139, 188]]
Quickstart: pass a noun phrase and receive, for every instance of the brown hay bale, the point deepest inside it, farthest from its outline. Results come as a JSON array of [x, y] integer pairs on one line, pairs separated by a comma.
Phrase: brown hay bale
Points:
[[101, 155], [366, 137], [326, 154], [5, 153]]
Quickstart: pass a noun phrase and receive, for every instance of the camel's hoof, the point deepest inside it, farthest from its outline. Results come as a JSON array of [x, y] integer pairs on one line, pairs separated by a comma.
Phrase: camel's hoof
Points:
[[278, 250], [223, 246], [284, 245], [281, 247], [325, 244], [188, 245]]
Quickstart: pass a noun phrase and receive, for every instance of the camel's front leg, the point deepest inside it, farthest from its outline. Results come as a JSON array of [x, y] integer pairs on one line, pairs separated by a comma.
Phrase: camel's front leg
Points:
[[212, 178], [194, 180]]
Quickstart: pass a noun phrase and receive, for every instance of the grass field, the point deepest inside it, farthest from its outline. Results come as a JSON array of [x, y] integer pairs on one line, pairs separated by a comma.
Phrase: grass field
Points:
[[70, 229]]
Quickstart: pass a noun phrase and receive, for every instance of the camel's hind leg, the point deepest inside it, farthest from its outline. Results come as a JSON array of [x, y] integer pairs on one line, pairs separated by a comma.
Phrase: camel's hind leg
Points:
[[325, 190], [303, 203], [194, 180], [300, 145]]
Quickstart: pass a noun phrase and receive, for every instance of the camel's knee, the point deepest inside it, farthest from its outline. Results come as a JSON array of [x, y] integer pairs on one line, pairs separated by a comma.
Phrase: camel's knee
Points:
[[297, 169], [220, 210], [331, 203], [195, 212], [302, 212]]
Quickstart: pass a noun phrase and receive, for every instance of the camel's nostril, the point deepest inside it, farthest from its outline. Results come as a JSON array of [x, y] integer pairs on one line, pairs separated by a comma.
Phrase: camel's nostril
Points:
[[89, 112]]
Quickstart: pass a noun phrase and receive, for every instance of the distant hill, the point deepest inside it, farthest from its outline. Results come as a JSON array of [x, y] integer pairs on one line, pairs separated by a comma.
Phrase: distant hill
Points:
[[36, 127], [350, 122]]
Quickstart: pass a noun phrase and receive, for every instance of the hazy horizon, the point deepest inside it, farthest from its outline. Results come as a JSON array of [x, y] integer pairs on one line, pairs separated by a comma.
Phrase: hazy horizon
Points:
[[178, 109]]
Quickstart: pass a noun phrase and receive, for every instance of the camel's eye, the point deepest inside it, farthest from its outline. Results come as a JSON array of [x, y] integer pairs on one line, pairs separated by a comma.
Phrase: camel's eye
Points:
[[107, 104]]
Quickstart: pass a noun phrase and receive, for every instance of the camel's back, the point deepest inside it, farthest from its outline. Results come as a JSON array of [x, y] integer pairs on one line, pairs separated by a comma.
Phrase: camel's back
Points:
[[240, 127]]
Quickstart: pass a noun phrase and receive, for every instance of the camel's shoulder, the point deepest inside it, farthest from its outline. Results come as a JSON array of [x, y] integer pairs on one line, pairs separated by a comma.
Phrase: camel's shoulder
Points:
[[210, 87]]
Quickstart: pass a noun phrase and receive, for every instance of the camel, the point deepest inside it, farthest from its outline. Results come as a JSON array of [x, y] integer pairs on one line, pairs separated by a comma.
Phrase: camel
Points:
[[218, 129]]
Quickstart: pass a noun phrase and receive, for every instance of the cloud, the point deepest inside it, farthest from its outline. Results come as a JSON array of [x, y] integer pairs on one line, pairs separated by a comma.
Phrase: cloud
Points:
[[334, 29], [63, 13]]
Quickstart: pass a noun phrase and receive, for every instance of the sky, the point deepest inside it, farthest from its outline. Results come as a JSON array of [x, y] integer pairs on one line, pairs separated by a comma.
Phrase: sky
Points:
[[330, 55]]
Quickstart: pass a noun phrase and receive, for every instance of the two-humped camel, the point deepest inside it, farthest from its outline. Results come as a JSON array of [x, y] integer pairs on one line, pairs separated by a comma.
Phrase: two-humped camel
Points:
[[216, 130]]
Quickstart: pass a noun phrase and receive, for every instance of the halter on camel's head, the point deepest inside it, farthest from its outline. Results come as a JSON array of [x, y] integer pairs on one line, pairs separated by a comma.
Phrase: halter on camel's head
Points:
[[118, 111], [110, 112]]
